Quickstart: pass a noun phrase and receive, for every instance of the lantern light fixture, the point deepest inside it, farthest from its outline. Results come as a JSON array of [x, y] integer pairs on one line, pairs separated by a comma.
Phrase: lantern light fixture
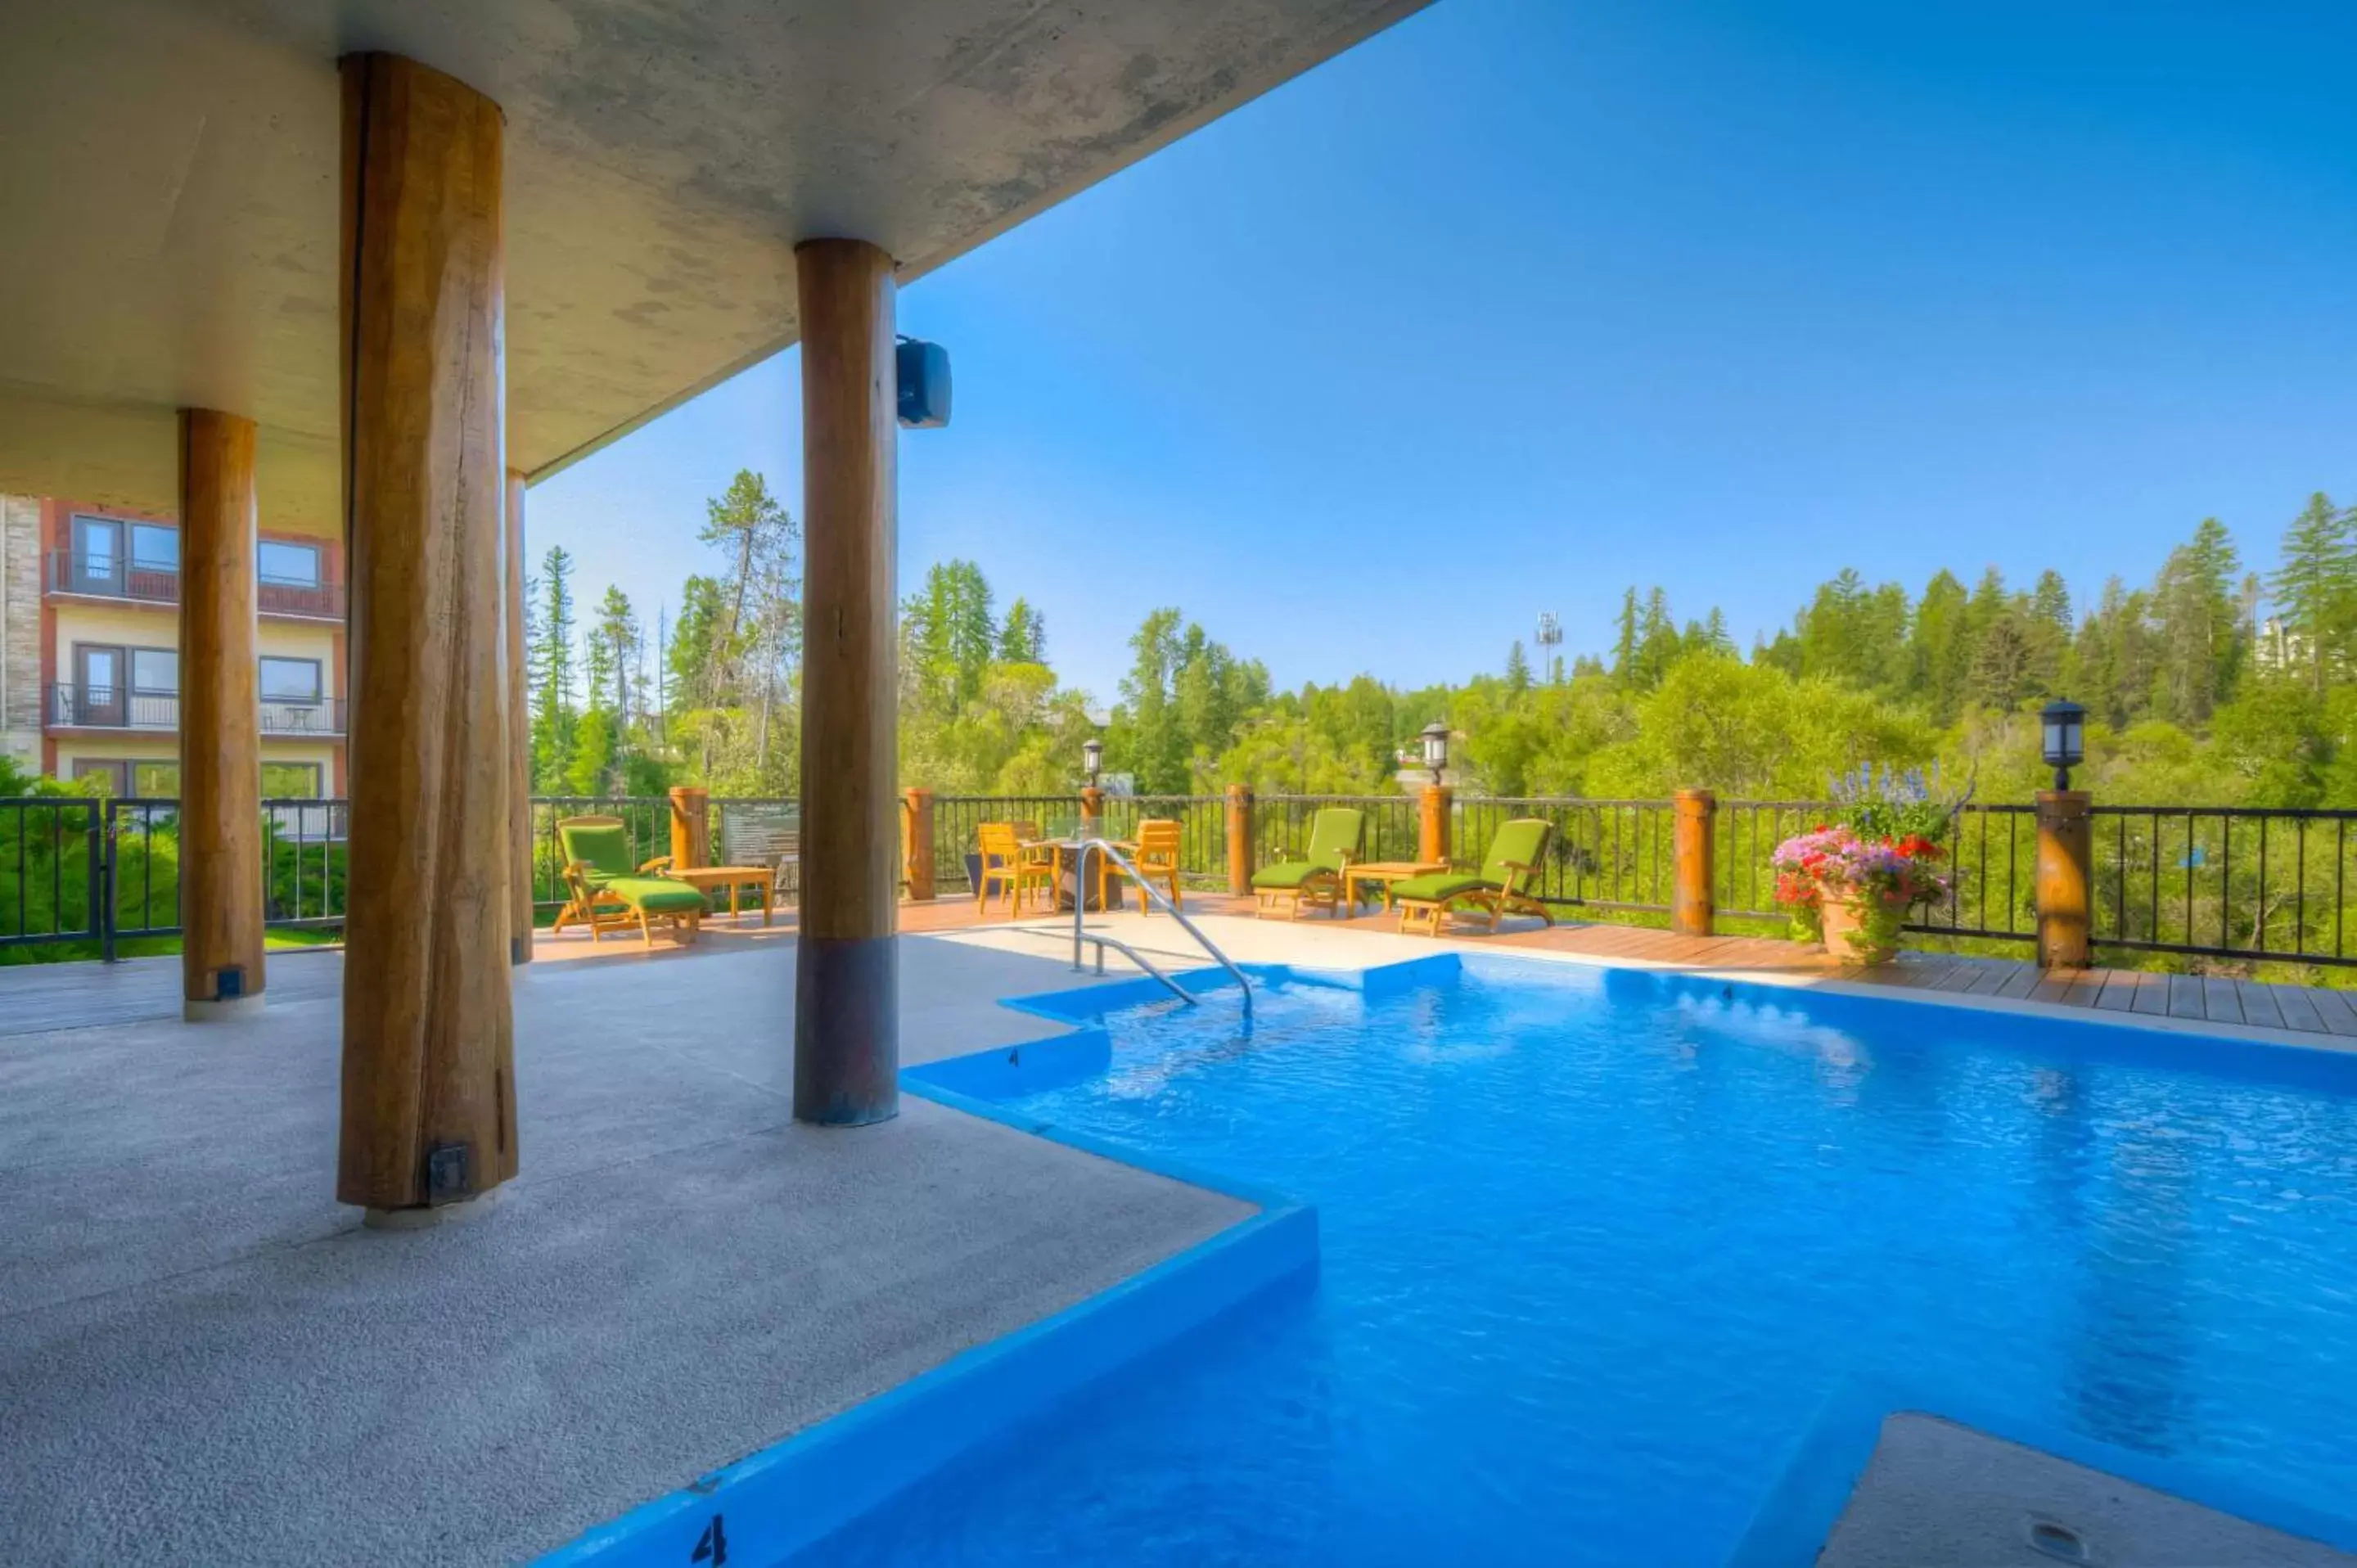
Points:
[[2065, 727]]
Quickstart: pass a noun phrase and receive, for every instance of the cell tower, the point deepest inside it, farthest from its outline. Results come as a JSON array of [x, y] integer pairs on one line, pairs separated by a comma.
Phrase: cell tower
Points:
[[1550, 638]]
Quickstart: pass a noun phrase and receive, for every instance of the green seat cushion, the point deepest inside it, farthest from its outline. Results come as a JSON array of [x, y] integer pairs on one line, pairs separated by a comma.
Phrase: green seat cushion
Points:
[[1291, 874], [655, 894], [606, 846], [1440, 886]]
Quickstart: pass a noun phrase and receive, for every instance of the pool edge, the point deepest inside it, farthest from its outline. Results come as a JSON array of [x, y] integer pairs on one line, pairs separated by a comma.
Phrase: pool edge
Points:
[[777, 1503]]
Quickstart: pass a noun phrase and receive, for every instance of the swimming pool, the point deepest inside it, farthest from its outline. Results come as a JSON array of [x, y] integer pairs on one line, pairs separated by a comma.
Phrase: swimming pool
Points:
[[1596, 1245]]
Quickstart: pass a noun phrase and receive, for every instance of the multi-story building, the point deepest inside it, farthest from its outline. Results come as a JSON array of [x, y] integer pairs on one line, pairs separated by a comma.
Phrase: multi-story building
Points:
[[90, 666]]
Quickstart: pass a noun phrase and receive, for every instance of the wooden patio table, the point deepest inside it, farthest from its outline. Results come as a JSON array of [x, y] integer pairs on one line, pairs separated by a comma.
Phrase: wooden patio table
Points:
[[706, 879], [1383, 873], [1067, 853]]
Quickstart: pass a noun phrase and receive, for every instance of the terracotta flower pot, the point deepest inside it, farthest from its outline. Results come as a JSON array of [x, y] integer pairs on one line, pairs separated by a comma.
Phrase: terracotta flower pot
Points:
[[1844, 916]]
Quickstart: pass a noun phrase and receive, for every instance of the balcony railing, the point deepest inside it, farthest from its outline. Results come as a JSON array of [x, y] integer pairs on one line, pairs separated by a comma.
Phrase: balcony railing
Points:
[[111, 707], [111, 577], [323, 718]]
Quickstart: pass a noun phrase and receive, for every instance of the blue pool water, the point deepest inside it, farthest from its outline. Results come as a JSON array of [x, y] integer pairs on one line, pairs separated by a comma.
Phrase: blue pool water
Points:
[[1596, 1246]]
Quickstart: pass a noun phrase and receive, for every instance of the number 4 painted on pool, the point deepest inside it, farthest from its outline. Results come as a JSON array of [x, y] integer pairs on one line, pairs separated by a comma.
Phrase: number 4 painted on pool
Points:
[[711, 1546]]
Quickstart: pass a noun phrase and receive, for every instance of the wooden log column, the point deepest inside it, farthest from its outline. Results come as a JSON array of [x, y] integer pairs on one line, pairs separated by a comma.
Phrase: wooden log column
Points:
[[429, 1113], [847, 1013], [691, 826], [2066, 849], [1692, 848], [1240, 839], [919, 871], [1432, 824], [220, 721], [521, 922]]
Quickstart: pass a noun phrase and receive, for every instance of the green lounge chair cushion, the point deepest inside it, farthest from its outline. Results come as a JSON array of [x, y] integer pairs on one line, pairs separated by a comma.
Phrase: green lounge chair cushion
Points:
[[655, 894], [1520, 842], [1333, 834], [1440, 886], [1291, 874], [606, 846]]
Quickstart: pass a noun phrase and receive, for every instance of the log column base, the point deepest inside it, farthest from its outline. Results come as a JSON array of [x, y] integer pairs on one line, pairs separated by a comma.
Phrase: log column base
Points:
[[466, 1208], [221, 1009], [846, 1030]]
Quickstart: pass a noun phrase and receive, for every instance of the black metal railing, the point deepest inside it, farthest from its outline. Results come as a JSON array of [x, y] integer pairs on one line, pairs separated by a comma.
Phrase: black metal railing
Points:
[[2247, 883], [1202, 830], [89, 870], [1744, 836], [1992, 870], [1605, 855], [114, 577], [1282, 825], [115, 707], [311, 716], [956, 817]]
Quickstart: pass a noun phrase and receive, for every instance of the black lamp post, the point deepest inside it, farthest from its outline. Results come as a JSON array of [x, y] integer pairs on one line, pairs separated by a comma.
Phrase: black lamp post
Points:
[[2066, 739], [1092, 759], [1435, 736]]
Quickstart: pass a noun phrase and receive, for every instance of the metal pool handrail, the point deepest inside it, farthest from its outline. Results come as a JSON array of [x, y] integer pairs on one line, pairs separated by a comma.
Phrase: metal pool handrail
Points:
[[1079, 911]]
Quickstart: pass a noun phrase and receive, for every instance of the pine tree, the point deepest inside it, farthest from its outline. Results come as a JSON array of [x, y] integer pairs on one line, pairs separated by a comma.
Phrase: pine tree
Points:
[[1624, 644], [1518, 669], [1023, 639], [2196, 626], [553, 716], [2315, 589]]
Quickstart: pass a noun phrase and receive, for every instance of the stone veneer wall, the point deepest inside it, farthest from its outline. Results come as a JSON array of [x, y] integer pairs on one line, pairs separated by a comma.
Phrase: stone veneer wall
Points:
[[20, 627]]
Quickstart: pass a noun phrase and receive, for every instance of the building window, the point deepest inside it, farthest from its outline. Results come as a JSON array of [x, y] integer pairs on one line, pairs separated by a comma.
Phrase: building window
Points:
[[290, 680], [154, 548], [156, 781], [295, 565], [113, 776], [154, 671], [290, 780]]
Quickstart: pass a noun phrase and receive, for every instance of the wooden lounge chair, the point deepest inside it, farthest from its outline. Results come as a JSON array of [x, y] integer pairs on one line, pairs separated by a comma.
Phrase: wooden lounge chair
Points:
[[1008, 866], [609, 893], [1157, 861], [1316, 879], [1502, 888]]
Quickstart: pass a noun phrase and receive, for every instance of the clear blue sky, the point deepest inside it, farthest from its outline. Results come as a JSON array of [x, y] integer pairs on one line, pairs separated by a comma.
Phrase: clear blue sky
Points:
[[1523, 302]]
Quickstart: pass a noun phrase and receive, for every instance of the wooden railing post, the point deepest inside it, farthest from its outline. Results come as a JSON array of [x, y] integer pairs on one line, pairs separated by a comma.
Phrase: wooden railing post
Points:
[[1432, 824], [1240, 839], [1696, 813], [2066, 845], [1092, 810], [918, 870], [691, 827]]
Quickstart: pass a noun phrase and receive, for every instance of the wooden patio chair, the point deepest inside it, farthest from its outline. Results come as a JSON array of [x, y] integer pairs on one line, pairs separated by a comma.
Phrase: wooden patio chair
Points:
[[1501, 887], [1010, 867], [1157, 861], [1316, 879], [607, 892]]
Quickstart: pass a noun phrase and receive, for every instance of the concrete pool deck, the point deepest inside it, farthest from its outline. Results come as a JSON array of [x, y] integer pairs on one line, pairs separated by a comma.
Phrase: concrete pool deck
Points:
[[204, 1357]]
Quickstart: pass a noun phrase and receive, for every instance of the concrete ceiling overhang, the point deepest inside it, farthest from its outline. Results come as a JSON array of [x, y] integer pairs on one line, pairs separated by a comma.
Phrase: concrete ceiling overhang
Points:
[[169, 190]]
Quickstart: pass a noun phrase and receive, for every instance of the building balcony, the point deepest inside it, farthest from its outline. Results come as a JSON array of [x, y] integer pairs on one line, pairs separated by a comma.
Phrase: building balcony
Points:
[[111, 577], [112, 708]]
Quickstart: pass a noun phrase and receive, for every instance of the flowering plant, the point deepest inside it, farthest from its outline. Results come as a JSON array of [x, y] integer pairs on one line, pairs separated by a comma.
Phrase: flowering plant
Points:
[[1881, 878]]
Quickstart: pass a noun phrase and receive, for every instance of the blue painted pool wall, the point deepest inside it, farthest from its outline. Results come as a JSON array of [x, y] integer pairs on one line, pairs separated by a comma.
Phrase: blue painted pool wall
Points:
[[2079, 1034]]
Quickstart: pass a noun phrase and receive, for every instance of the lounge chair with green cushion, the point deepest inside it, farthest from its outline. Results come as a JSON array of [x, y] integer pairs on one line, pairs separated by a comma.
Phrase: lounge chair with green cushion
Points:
[[1502, 886], [1317, 878], [609, 891]]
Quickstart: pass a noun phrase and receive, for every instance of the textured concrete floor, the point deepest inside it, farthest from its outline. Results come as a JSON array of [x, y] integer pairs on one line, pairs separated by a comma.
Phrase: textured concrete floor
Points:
[[1938, 1495], [202, 1359]]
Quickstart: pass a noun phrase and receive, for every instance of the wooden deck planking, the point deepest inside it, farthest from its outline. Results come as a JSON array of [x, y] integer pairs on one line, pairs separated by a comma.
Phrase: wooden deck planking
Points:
[[2185, 996], [2119, 991], [2220, 1002], [2333, 1010], [2298, 1011], [2259, 1006], [2152, 994]]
